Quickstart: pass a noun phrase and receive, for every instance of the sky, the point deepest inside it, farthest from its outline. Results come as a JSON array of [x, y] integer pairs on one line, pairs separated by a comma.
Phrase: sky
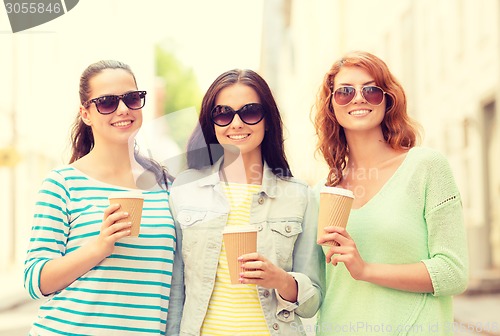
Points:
[[215, 36], [210, 36]]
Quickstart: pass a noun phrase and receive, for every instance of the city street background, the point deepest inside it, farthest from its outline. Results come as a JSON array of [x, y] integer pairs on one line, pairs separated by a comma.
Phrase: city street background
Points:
[[445, 53]]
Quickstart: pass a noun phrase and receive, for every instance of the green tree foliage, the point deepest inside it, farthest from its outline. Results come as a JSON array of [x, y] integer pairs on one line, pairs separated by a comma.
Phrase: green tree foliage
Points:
[[181, 89], [182, 93]]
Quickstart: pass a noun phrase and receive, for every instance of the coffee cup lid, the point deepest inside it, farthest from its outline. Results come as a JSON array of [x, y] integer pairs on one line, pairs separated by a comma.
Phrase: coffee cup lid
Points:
[[239, 228], [337, 191], [126, 194]]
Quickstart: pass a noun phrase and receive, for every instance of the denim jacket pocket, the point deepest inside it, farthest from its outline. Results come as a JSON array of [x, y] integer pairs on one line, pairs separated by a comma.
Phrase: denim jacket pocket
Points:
[[190, 217], [285, 233]]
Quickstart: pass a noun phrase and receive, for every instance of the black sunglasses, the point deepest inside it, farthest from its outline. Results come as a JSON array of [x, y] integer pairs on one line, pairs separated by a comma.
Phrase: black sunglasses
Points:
[[250, 114], [372, 94], [108, 104]]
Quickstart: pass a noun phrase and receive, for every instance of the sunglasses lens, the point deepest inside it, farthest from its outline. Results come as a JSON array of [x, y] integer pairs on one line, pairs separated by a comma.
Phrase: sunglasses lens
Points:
[[251, 114], [107, 104], [134, 100], [344, 95], [373, 95], [222, 115]]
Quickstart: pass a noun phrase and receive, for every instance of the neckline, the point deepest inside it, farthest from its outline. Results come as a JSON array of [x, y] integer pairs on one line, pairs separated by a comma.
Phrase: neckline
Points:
[[387, 183], [104, 183]]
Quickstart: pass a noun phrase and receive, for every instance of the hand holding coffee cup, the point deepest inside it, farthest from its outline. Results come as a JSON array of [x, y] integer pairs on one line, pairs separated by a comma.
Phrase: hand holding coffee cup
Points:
[[131, 202], [334, 209]]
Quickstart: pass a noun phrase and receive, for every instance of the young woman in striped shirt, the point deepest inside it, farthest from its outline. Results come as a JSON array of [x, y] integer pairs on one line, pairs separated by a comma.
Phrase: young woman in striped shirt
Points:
[[97, 279]]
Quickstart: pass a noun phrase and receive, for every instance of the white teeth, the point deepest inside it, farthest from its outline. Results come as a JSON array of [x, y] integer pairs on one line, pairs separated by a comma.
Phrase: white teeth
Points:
[[237, 136], [122, 123], [359, 112]]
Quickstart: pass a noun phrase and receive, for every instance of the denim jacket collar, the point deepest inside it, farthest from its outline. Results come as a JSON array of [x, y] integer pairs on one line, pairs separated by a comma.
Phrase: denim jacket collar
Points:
[[269, 180]]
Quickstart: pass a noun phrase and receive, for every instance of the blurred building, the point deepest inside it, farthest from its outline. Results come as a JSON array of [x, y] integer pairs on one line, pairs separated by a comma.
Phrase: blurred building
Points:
[[445, 53]]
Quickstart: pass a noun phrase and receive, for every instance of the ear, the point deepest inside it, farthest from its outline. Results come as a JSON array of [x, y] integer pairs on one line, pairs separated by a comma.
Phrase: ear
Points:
[[84, 114]]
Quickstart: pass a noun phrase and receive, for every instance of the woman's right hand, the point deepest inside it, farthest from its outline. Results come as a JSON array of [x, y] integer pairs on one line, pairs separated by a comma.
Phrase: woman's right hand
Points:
[[59, 273], [344, 250], [111, 231]]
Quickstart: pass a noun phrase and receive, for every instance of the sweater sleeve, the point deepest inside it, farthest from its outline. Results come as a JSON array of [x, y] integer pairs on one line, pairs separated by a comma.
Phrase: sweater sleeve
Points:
[[448, 260], [49, 232]]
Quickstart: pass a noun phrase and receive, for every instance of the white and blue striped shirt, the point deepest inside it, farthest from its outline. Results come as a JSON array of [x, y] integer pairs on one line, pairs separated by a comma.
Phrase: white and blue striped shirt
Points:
[[128, 292]]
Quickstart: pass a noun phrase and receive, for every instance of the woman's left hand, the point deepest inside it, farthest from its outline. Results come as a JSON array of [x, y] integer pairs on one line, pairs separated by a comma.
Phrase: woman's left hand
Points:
[[345, 252], [260, 271]]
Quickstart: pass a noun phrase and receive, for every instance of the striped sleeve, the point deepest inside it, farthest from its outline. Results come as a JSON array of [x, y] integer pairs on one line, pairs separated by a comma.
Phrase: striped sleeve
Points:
[[49, 232]]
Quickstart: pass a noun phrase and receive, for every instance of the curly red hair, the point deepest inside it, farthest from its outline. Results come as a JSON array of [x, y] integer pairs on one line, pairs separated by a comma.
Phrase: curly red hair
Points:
[[399, 130]]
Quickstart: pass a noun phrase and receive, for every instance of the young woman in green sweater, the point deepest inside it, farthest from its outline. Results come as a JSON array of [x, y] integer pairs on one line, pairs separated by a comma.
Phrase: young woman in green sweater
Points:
[[404, 253]]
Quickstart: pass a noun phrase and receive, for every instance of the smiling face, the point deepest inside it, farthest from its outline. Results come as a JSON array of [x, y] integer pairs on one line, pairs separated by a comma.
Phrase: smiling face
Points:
[[247, 138], [117, 127], [357, 115]]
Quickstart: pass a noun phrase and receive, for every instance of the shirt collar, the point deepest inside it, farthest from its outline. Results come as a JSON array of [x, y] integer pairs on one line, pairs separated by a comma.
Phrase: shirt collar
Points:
[[269, 179]]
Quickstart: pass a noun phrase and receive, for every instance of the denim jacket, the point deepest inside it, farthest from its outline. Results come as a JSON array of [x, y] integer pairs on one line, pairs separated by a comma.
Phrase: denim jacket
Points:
[[286, 220]]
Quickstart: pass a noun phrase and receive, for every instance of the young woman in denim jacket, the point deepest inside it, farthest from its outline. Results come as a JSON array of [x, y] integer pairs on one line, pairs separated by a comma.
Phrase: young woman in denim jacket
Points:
[[239, 175]]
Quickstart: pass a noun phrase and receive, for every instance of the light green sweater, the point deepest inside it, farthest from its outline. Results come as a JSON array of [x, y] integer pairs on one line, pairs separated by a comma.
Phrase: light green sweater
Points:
[[416, 216]]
